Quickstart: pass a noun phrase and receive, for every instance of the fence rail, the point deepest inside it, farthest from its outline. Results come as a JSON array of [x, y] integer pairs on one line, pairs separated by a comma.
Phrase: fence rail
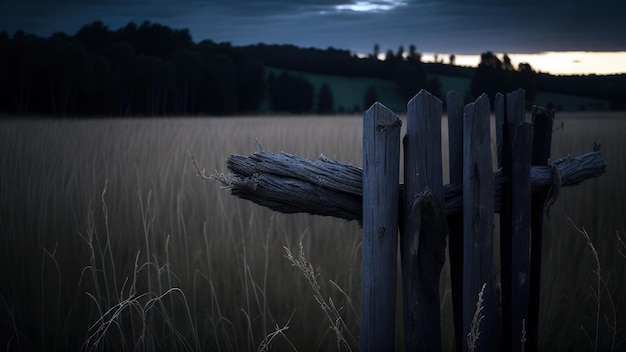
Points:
[[426, 213], [290, 184]]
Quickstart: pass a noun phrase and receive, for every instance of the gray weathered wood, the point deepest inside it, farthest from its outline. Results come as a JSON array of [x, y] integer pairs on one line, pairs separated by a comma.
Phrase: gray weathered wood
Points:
[[291, 195], [520, 232], [454, 104], [381, 167], [425, 209], [478, 214], [328, 173], [504, 146], [499, 110], [515, 208], [324, 187], [543, 120], [423, 231]]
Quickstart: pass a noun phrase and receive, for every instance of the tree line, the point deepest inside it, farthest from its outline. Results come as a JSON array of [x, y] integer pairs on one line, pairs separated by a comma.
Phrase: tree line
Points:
[[151, 69], [146, 69], [405, 69]]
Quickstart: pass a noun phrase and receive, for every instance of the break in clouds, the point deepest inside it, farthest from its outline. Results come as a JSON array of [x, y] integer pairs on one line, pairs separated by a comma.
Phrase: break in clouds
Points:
[[448, 26]]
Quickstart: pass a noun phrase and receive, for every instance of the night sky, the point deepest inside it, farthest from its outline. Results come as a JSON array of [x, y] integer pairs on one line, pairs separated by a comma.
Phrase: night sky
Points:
[[448, 26]]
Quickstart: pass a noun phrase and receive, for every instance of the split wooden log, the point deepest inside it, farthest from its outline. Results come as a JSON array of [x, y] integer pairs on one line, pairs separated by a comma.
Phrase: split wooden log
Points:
[[293, 184]]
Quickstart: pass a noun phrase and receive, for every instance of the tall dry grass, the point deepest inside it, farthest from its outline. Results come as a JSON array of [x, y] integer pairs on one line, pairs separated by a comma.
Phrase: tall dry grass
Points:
[[569, 306], [110, 241]]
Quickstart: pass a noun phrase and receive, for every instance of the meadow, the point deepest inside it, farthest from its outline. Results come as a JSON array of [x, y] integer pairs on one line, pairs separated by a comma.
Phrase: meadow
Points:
[[110, 241], [348, 92]]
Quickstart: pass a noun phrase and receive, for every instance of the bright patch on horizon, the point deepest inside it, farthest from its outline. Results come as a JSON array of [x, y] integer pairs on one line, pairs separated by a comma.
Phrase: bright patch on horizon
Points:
[[370, 6], [575, 62], [556, 62]]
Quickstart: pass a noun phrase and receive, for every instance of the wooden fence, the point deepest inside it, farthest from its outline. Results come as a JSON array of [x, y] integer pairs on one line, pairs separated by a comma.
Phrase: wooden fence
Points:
[[423, 215]]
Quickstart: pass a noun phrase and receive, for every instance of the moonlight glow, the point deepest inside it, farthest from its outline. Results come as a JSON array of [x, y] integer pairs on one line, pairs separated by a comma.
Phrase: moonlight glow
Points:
[[370, 6]]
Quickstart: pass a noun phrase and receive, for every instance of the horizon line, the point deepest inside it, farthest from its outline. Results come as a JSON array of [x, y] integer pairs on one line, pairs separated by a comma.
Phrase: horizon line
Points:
[[558, 63]]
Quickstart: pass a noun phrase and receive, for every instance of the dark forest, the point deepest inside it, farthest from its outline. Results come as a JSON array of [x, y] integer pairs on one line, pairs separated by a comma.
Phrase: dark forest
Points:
[[153, 70]]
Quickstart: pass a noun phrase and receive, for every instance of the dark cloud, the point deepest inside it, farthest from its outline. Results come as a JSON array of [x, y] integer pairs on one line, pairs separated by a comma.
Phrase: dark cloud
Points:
[[457, 26]]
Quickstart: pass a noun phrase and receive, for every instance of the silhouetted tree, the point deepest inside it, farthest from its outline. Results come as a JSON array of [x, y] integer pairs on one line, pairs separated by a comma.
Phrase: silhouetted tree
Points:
[[434, 87], [222, 79], [325, 100], [413, 54], [390, 57], [290, 93], [157, 77], [95, 36], [250, 78], [489, 77], [506, 63], [400, 53], [251, 88], [189, 71], [124, 76], [524, 67], [24, 60], [376, 51], [5, 41], [527, 79], [370, 97], [65, 68], [452, 59], [155, 39], [409, 78], [97, 85]]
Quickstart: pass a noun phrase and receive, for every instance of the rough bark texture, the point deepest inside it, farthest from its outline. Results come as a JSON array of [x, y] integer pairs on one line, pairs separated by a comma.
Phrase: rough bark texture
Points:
[[331, 188]]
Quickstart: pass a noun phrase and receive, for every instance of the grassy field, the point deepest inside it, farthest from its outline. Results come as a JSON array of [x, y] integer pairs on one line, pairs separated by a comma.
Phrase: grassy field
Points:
[[109, 241], [348, 92]]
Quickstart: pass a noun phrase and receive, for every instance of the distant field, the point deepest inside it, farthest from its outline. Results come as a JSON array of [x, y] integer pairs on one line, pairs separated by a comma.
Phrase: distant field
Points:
[[460, 84], [571, 102], [110, 241], [348, 92]]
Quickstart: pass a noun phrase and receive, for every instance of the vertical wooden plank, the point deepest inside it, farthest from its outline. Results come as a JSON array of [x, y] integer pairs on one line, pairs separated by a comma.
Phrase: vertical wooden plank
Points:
[[515, 221], [504, 146], [455, 222], [478, 192], [499, 110], [520, 232], [543, 120], [504, 151], [423, 231], [381, 159]]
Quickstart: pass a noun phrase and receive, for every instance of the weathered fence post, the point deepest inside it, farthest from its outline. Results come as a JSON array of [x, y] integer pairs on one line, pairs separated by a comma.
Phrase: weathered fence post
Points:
[[423, 231], [454, 106], [543, 120], [381, 168], [478, 209], [515, 222], [499, 107], [466, 207]]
